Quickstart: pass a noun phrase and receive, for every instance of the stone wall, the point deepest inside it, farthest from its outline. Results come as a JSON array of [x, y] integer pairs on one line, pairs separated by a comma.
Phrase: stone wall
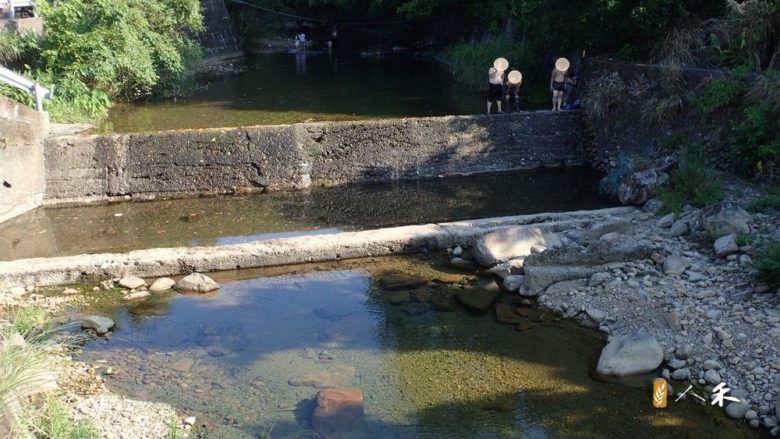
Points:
[[252, 159], [22, 181]]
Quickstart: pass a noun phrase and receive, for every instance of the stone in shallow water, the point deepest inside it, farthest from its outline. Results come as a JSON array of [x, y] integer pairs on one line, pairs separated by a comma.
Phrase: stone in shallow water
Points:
[[506, 314], [630, 355], [338, 411], [477, 300], [333, 377], [442, 302], [396, 297], [397, 281], [138, 295], [197, 282], [132, 282], [100, 324], [162, 284]]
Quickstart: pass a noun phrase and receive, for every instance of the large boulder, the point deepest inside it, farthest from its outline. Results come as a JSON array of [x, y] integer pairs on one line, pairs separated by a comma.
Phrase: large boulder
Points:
[[198, 283], [726, 245], [539, 277], [630, 355], [338, 411], [641, 186], [511, 242], [99, 324], [724, 218]]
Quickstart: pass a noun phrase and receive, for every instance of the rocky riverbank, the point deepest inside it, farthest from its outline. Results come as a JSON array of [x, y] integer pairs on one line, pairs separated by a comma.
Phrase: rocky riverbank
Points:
[[676, 303]]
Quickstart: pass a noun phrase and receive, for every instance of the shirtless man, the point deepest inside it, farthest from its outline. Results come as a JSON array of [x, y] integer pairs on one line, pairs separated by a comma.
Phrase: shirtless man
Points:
[[558, 82]]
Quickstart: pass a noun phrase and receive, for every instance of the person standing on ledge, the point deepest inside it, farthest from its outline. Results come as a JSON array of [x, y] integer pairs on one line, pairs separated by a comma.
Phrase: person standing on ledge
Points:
[[513, 82], [558, 82], [495, 88]]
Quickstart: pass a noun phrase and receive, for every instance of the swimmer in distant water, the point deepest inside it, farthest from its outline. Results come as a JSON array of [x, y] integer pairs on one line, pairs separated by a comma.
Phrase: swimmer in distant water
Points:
[[495, 88]]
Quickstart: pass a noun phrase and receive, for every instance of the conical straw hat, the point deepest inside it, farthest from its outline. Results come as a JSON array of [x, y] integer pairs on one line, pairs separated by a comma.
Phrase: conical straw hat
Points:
[[562, 64], [501, 64], [515, 77]]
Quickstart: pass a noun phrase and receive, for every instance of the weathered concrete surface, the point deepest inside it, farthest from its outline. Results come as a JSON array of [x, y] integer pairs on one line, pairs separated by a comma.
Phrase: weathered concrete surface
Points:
[[288, 251], [22, 181], [251, 159]]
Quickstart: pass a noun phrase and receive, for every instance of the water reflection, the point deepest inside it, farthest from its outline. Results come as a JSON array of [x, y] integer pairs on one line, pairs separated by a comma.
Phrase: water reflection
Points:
[[209, 221]]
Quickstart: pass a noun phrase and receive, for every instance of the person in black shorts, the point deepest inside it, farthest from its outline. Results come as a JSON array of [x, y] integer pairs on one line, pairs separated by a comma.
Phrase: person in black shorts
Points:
[[495, 88]]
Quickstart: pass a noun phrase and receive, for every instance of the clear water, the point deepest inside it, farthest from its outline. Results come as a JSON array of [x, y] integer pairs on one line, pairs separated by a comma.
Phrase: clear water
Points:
[[230, 358], [284, 88], [129, 226]]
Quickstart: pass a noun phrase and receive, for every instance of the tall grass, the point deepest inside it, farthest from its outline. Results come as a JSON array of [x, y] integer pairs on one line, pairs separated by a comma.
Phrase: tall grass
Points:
[[54, 421], [693, 182], [470, 61], [767, 262]]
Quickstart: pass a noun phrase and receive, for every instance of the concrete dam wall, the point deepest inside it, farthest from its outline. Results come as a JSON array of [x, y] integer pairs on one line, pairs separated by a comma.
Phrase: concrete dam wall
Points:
[[254, 159]]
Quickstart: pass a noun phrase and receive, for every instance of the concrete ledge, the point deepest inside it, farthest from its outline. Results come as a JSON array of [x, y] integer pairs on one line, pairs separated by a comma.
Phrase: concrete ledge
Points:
[[254, 159], [289, 251]]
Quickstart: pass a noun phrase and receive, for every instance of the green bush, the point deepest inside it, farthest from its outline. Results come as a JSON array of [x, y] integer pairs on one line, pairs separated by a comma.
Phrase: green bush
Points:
[[769, 200], [693, 182], [767, 262], [54, 422], [96, 51], [755, 141], [717, 94], [470, 61]]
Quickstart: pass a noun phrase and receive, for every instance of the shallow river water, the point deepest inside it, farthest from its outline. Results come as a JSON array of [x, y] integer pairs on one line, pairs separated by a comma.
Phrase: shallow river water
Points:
[[122, 227], [248, 360]]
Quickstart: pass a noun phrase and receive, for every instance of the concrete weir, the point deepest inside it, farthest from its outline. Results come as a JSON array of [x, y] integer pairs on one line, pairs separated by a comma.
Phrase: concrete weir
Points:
[[288, 251], [255, 159]]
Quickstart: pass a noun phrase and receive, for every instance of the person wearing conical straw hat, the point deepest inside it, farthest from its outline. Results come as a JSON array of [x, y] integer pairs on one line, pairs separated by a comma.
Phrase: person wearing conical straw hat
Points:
[[513, 81], [558, 82]]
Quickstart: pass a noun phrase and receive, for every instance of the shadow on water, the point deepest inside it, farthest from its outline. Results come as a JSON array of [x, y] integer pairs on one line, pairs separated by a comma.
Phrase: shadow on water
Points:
[[121, 227], [250, 358], [284, 88]]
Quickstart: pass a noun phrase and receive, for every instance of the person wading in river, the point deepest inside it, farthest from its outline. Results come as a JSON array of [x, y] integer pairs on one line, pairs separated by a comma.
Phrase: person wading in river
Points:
[[495, 88], [558, 82]]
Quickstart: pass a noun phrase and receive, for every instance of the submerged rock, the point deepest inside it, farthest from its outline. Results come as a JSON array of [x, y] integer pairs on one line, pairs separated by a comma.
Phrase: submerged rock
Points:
[[138, 295], [477, 300], [99, 324], [197, 282], [398, 281], [338, 411], [511, 242], [507, 314], [630, 355]]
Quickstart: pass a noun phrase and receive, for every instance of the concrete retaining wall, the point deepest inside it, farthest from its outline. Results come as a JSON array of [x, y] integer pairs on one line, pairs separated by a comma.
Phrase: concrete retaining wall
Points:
[[288, 251], [239, 160], [22, 181]]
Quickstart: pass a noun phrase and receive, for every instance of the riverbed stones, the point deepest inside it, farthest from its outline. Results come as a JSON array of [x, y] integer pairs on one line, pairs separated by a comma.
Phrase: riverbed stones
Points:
[[333, 377], [137, 295], [726, 245], [197, 283], [683, 374], [338, 411], [724, 218], [653, 206], [631, 354], [679, 228], [398, 281], [712, 376], [514, 283], [511, 242], [162, 284], [597, 230], [506, 314], [132, 282], [539, 277], [666, 221], [676, 265], [712, 365], [737, 410], [476, 300], [99, 324], [508, 268], [596, 314]]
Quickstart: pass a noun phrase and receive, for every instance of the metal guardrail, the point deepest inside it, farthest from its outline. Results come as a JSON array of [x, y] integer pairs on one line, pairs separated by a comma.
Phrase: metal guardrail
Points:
[[11, 6], [16, 80]]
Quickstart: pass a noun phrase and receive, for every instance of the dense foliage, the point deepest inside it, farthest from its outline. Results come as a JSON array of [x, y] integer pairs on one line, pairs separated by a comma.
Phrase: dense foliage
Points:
[[96, 51]]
